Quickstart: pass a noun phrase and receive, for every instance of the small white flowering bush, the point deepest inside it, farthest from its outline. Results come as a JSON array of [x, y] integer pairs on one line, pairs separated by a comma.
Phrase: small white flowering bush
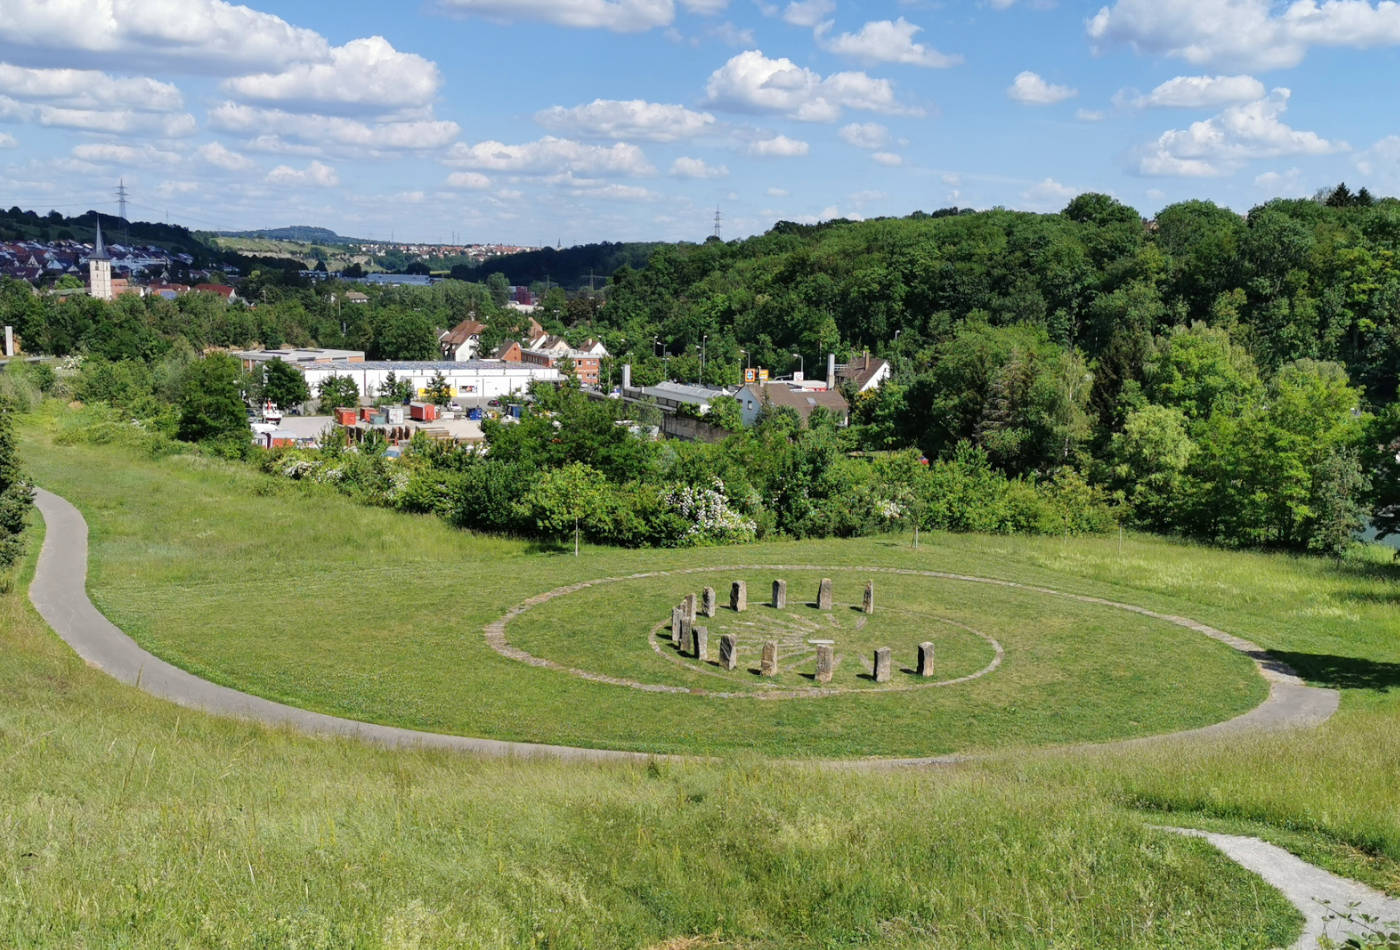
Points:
[[708, 515]]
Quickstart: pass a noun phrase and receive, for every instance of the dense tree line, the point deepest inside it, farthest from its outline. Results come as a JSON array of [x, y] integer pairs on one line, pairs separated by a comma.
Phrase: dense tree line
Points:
[[1224, 376]]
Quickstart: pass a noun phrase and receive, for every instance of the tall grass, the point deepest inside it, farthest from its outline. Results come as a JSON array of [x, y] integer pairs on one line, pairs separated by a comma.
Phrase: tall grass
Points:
[[126, 822]]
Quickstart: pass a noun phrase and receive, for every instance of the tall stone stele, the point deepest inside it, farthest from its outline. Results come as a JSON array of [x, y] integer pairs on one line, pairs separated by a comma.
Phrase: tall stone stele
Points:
[[824, 594], [769, 665], [707, 602], [689, 606], [868, 602], [728, 652], [779, 594], [882, 665], [677, 627], [826, 662], [700, 637], [739, 597], [925, 659]]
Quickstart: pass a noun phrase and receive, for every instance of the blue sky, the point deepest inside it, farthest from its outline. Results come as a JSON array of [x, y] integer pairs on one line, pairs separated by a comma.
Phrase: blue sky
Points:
[[540, 121]]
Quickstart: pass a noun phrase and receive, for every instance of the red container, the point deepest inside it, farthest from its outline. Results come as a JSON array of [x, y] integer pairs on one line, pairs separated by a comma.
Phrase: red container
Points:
[[345, 417]]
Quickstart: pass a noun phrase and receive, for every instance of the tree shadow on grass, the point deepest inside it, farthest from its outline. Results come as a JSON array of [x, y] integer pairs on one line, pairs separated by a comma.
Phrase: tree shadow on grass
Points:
[[1342, 672]]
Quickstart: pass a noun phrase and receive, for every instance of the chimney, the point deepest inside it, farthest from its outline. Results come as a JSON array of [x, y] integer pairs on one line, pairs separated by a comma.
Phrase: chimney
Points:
[[831, 371], [626, 377], [867, 357]]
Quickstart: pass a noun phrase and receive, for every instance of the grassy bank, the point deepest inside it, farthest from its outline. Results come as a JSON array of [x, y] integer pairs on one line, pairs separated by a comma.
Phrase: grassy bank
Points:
[[290, 592], [129, 822]]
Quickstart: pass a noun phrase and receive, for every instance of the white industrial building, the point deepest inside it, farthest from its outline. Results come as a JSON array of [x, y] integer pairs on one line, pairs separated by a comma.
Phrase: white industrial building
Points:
[[474, 379]]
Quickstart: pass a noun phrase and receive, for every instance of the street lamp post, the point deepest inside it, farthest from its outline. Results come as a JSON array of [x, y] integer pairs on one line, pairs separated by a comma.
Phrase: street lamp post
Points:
[[801, 365], [703, 340]]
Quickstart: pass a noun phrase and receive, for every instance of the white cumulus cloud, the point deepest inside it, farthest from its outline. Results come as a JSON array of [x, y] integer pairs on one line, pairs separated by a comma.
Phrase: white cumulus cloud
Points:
[[316, 175], [614, 119], [1031, 89], [118, 122], [779, 146], [364, 73], [888, 159], [864, 134], [322, 131], [551, 155], [1196, 92], [88, 89], [473, 180], [201, 36], [751, 82], [1252, 34], [8, 141], [225, 158], [1047, 194], [808, 12], [104, 153], [889, 41], [621, 16], [685, 167], [1222, 143]]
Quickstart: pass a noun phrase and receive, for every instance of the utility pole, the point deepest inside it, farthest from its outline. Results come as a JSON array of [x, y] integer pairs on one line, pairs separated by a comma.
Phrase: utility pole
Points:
[[121, 209]]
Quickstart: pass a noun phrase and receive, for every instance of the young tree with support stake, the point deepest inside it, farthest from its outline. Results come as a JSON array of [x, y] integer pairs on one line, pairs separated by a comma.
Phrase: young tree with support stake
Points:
[[564, 497]]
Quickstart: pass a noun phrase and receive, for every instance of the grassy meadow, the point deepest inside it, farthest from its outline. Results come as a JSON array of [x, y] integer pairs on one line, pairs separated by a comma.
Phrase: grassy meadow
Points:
[[127, 822], [288, 591]]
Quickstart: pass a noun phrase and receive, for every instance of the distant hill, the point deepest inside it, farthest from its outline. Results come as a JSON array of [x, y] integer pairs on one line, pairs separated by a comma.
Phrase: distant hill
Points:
[[19, 225], [301, 233], [568, 267]]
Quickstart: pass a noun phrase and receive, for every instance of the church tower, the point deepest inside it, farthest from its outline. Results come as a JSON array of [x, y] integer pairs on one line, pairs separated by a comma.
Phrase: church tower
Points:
[[100, 269]]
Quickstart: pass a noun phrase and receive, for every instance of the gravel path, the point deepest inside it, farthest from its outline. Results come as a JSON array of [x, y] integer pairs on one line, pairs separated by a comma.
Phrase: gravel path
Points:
[[59, 588], [1305, 886]]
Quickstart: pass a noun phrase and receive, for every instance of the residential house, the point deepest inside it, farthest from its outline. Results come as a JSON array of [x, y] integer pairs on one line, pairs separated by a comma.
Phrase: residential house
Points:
[[863, 374], [754, 398], [551, 351], [462, 342]]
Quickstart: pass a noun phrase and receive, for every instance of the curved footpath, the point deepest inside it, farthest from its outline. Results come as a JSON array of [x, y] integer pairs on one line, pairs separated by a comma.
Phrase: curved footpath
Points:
[[1319, 895], [59, 593]]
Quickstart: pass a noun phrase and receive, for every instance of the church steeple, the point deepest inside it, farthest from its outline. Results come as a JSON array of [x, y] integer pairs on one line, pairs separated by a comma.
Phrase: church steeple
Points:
[[99, 268], [99, 250]]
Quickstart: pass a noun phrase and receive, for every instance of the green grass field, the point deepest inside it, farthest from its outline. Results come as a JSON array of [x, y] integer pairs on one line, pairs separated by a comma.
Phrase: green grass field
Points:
[[292, 594], [128, 822]]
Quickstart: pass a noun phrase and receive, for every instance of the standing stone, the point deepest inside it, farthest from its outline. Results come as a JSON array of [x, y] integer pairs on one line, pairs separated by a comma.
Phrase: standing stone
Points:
[[739, 597], [728, 652], [689, 605], [826, 657], [677, 627], [824, 594], [868, 603], [780, 594], [925, 659], [882, 665], [707, 601], [687, 633], [769, 665], [701, 638]]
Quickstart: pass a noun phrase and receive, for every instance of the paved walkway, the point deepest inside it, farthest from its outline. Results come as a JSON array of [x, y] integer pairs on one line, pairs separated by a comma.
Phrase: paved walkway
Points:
[[1305, 886], [59, 592]]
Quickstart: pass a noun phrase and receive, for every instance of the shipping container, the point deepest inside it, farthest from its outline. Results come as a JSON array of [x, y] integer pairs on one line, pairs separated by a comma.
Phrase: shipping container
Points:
[[345, 417]]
